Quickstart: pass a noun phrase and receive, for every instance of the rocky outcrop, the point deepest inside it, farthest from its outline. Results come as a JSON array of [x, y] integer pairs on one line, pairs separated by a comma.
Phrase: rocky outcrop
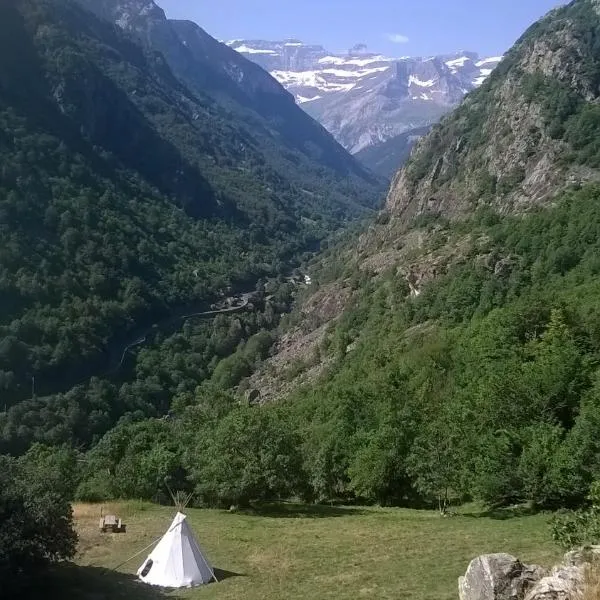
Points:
[[506, 145], [504, 577], [564, 583], [498, 577], [296, 358]]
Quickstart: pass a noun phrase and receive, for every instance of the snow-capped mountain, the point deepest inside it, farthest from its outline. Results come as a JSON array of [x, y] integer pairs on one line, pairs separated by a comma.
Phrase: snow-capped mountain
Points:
[[365, 99]]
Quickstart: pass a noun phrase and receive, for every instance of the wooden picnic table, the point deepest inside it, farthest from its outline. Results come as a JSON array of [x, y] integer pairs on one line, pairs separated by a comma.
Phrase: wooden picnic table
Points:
[[111, 523]]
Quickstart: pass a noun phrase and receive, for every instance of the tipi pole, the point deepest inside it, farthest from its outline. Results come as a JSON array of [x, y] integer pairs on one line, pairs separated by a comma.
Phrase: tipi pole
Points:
[[209, 567]]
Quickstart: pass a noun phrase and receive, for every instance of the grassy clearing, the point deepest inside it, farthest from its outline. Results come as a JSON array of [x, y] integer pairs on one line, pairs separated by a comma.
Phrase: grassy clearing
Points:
[[295, 553]]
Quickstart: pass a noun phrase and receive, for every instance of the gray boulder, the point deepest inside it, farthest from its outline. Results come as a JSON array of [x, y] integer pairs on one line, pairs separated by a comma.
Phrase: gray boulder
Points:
[[582, 556], [564, 583], [498, 577]]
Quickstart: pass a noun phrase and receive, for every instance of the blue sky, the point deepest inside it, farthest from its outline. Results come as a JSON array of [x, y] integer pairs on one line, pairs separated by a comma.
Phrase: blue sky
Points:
[[395, 27]]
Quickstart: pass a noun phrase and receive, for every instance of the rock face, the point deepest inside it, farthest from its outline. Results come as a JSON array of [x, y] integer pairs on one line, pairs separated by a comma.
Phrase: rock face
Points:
[[240, 86], [564, 583], [504, 577], [364, 98], [498, 577], [509, 145]]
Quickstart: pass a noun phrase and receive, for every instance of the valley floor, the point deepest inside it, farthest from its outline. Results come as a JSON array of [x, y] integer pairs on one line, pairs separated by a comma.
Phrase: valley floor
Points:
[[290, 552]]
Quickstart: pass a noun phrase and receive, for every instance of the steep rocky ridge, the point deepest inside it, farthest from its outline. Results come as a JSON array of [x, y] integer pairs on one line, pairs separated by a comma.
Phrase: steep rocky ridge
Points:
[[520, 139], [295, 145]]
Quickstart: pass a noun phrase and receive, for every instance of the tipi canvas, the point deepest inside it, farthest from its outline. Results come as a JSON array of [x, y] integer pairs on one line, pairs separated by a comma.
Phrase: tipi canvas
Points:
[[177, 560]]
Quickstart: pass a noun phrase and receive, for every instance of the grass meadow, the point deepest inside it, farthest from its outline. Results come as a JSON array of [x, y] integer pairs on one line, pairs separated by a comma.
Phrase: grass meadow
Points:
[[291, 552]]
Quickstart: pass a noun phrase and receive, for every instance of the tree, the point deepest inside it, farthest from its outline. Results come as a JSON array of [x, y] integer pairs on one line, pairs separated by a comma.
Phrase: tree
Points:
[[251, 455], [36, 528], [495, 475], [538, 463], [436, 461], [51, 468], [134, 460], [378, 471]]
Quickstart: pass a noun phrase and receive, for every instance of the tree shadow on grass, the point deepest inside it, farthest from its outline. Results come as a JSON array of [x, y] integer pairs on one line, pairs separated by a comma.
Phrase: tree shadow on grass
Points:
[[503, 513], [74, 582], [95, 583], [301, 511]]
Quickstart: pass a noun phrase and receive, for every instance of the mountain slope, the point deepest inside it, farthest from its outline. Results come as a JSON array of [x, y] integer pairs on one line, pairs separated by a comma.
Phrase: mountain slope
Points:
[[453, 350], [540, 110], [292, 142], [513, 146], [365, 99], [385, 158], [125, 195]]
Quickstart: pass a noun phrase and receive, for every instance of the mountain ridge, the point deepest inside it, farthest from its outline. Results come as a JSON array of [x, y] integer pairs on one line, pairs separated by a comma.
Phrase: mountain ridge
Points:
[[211, 68], [364, 98], [538, 107]]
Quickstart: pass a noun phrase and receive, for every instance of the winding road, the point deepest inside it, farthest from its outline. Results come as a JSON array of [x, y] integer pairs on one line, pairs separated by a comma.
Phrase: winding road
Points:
[[142, 338]]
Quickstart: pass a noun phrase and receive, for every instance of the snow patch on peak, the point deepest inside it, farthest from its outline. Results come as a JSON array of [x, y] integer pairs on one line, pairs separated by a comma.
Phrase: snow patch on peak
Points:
[[354, 74], [458, 62], [303, 100], [352, 61], [413, 79], [249, 50], [486, 61]]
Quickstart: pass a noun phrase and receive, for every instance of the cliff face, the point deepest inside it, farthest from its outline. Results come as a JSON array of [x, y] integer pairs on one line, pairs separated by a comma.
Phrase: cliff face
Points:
[[522, 137], [256, 100]]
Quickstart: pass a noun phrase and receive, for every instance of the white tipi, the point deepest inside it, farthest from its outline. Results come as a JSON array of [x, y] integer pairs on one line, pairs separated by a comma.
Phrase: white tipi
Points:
[[177, 560]]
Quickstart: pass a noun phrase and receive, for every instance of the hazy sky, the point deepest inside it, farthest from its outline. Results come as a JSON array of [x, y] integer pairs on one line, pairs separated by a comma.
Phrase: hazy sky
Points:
[[394, 27]]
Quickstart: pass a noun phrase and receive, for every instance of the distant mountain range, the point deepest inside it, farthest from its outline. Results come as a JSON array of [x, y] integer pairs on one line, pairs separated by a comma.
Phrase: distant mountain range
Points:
[[367, 99]]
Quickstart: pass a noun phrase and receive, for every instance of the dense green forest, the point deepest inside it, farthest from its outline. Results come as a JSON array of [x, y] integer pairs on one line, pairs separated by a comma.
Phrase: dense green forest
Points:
[[124, 196], [36, 522], [484, 387]]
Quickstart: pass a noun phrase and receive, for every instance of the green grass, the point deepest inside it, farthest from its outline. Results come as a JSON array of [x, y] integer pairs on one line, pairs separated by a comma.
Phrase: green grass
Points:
[[298, 553]]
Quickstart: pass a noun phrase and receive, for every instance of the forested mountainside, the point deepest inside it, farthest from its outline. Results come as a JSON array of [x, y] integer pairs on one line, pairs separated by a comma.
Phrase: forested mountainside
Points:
[[295, 145], [125, 194], [453, 351]]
